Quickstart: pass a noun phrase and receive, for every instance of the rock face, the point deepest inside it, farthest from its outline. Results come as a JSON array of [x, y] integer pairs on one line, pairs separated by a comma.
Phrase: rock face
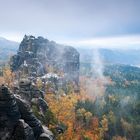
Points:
[[28, 91], [32, 95], [17, 121], [35, 54]]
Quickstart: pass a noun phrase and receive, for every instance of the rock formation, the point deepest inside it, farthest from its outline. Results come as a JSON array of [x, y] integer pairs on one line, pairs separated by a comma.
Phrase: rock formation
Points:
[[17, 121], [32, 95], [35, 54]]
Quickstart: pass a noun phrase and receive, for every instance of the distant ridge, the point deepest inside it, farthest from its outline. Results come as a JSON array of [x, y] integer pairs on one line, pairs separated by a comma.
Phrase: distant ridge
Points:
[[111, 56], [7, 48]]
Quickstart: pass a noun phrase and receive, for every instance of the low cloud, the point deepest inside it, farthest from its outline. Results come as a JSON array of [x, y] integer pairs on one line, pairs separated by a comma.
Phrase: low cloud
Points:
[[127, 41]]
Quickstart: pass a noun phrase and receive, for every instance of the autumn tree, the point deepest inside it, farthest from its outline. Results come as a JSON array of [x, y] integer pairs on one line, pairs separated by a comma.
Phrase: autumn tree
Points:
[[8, 76]]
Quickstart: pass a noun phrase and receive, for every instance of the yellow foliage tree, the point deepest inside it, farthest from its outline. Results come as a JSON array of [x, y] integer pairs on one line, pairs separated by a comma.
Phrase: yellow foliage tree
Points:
[[64, 109], [81, 124], [118, 138], [8, 76]]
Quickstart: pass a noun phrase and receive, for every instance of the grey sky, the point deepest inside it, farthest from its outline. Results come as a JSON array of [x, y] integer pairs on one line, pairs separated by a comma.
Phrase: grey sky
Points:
[[69, 19]]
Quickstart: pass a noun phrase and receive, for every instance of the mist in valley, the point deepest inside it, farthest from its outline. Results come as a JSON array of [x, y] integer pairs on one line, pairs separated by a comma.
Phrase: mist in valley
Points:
[[70, 70]]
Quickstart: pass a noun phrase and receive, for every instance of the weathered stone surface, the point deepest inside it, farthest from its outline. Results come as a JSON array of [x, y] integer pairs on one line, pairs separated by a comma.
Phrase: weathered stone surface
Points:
[[35, 54], [42, 104], [9, 114], [44, 136], [23, 131], [12, 110], [28, 116], [8, 105], [32, 95], [28, 91], [47, 135]]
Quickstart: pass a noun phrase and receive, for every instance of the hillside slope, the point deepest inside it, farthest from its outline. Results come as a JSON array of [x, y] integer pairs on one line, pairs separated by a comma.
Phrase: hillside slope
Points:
[[7, 49]]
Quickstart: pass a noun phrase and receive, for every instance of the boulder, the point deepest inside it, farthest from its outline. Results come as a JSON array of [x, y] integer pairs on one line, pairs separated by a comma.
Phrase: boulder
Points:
[[8, 106], [28, 116], [23, 131], [28, 91]]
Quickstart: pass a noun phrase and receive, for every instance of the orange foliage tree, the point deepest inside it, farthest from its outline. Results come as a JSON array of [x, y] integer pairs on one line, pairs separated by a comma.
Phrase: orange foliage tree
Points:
[[8, 76], [80, 124]]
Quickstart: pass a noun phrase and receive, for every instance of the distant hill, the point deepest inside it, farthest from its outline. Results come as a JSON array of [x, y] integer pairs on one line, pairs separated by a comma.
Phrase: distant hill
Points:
[[112, 56], [7, 49]]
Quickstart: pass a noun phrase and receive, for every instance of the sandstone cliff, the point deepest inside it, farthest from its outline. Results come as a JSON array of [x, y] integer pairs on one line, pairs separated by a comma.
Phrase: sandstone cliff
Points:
[[37, 54]]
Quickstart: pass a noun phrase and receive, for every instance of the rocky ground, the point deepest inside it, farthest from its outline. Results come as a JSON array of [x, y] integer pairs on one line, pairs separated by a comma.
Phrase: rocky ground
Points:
[[17, 121]]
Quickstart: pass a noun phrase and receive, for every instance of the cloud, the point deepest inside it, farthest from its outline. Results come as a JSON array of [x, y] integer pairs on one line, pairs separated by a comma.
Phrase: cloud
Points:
[[13, 36], [127, 41], [70, 19]]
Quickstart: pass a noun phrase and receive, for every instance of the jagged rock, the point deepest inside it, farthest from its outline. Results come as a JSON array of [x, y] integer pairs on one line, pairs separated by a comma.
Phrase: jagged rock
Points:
[[12, 110], [35, 54], [44, 136], [47, 135], [8, 106], [32, 94], [9, 114], [23, 131], [29, 91], [24, 83], [43, 104], [28, 116]]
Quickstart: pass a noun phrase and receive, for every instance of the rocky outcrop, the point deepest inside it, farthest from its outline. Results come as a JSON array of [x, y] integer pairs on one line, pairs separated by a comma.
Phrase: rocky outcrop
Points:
[[35, 55], [32, 95], [23, 131], [17, 121], [28, 91]]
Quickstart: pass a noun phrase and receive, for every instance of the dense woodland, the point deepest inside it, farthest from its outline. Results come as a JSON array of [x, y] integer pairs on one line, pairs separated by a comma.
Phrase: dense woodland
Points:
[[106, 111]]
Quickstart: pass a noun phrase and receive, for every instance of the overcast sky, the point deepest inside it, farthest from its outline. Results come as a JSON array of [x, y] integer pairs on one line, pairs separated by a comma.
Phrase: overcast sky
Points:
[[74, 22]]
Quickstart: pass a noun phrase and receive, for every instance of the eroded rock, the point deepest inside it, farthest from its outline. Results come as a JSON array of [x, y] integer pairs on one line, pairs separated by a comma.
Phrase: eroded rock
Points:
[[37, 55], [17, 121]]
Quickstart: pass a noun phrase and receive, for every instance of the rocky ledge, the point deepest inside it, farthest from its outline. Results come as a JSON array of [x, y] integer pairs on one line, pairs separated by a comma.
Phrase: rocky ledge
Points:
[[17, 121]]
